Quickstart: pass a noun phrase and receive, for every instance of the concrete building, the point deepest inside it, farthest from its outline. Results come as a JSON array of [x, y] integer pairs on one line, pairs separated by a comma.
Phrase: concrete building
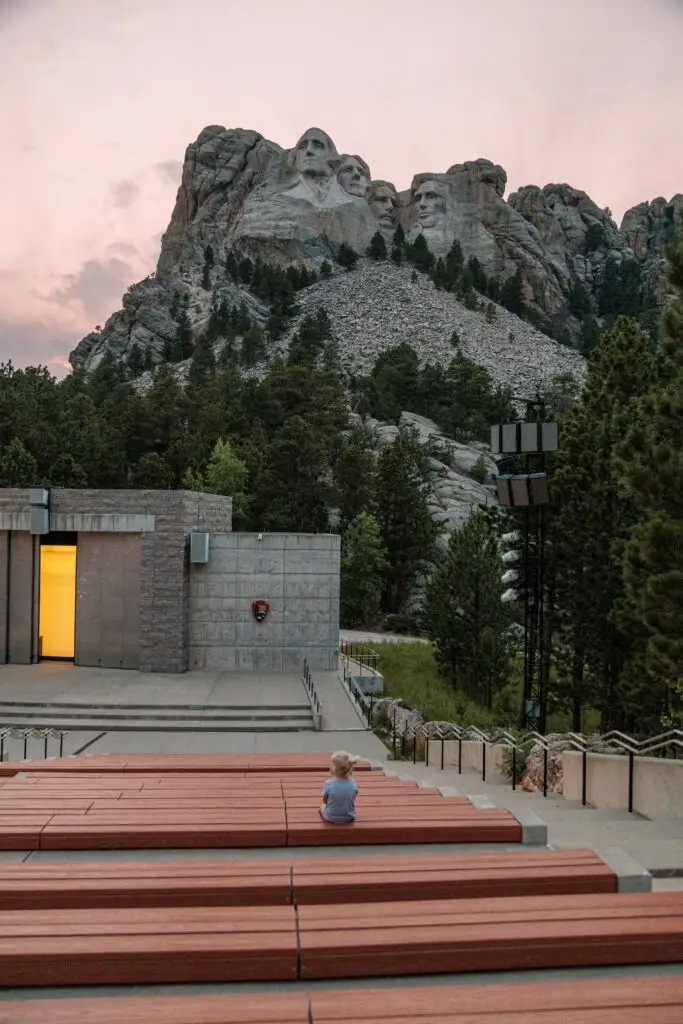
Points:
[[157, 581]]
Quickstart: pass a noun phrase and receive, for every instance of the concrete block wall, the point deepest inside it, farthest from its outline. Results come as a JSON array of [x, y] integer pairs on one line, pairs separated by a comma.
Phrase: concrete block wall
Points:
[[164, 575], [164, 520], [297, 574]]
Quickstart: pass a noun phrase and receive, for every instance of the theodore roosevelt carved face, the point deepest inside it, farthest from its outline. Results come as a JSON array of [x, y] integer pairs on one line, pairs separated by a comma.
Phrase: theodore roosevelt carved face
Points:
[[430, 203], [384, 203]]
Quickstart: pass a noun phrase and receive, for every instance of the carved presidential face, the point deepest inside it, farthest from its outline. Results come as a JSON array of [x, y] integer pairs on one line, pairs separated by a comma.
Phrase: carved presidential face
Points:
[[354, 176], [315, 154], [384, 203], [430, 203]]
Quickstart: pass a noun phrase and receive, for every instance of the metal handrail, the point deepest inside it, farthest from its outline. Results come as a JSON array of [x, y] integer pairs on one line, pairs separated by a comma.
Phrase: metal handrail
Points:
[[364, 656], [8, 733], [413, 735], [313, 697]]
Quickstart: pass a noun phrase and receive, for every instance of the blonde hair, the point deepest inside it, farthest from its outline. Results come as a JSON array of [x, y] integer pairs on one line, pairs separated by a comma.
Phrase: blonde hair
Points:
[[343, 764]]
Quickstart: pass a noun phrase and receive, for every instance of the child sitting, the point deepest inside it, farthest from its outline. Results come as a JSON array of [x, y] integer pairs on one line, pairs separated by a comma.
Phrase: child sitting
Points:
[[339, 792]]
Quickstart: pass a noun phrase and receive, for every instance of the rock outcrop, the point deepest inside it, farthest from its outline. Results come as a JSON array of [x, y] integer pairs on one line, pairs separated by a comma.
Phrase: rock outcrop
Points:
[[239, 191], [460, 476]]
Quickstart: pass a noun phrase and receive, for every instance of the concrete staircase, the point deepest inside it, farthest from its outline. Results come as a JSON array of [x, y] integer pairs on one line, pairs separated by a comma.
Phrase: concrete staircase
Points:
[[201, 718]]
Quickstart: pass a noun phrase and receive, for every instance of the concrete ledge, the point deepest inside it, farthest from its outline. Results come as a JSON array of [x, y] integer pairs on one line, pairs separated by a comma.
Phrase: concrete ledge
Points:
[[631, 876], [534, 829], [482, 803], [448, 791]]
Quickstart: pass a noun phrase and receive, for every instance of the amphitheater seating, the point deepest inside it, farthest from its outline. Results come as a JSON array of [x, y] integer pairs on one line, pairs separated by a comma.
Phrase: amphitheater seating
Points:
[[219, 944], [592, 1001], [301, 918], [72, 810], [440, 937], [42, 885], [235, 764]]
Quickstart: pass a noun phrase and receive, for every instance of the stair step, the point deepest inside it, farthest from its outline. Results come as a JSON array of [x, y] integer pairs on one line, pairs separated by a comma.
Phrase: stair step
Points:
[[236, 714], [294, 724]]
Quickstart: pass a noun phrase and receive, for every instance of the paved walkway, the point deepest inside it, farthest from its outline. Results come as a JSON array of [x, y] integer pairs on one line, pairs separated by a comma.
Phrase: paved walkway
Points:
[[657, 845], [52, 682]]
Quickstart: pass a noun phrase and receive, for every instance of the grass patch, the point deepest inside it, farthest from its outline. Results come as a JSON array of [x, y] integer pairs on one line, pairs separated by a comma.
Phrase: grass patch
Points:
[[411, 674]]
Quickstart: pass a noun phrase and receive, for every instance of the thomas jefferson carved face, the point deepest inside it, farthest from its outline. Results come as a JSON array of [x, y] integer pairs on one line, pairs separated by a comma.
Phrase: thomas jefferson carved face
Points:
[[384, 203], [354, 176], [315, 154], [430, 202]]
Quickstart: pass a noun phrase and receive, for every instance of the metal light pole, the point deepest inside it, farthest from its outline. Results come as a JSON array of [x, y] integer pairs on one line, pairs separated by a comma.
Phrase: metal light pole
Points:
[[525, 445]]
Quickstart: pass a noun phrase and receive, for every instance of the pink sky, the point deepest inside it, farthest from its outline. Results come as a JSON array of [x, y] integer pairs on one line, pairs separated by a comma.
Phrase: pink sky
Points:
[[98, 101]]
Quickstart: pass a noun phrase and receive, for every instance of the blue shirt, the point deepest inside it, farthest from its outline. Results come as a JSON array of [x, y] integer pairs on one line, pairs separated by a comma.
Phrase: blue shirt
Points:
[[340, 794]]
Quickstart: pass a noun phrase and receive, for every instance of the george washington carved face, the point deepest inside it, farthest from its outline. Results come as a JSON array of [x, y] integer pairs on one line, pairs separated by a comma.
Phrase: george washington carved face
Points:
[[315, 155], [354, 176], [430, 202]]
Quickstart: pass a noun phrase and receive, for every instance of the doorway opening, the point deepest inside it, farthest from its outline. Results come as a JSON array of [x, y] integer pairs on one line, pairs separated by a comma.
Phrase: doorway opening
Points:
[[57, 608]]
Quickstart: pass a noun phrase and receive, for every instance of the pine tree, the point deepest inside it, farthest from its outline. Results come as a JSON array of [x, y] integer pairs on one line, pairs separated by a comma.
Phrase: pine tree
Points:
[[183, 339], [512, 294], [419, 255], [66, 472], [455, 262], [18, 468], [292, 493], [397, 255], [227, 474], [207, 268], [325, 271], [652, 465], [346, 256], [592, 520], [363, 568], [407, 528], [355, 471], [203, 363], [135, 361], [464, 614], [152, 472], [377, 250], [399, 238], [253, 347]]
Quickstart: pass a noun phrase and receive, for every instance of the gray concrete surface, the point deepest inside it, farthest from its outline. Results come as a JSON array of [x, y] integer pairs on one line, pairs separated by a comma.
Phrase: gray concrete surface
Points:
[[656, 845], [648, 973]]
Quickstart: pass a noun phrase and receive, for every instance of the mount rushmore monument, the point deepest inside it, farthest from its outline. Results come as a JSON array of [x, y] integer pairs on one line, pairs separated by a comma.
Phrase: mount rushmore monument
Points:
[[242, 192]]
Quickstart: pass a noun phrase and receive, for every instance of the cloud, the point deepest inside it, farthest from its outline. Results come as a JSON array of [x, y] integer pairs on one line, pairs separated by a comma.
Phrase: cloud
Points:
[[98, 285], [122, 249], [125, 193], [32, 343], [170, 170]]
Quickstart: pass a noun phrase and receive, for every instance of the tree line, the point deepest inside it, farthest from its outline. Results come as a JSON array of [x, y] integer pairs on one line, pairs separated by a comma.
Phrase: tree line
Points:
[[614, 528]]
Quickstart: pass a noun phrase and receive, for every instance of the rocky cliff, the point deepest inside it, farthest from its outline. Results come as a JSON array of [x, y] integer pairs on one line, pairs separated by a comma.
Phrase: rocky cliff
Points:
[[241, 192]]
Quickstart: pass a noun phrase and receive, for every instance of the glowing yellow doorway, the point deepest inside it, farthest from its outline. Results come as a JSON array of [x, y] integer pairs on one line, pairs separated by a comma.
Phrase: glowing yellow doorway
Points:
[[57, 600]]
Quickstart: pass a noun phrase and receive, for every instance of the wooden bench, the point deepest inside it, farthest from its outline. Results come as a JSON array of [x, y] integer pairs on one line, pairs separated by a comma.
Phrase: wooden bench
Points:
[[147, 946], [448, 876], [244, 763], [45, 885], [117, 811], [41, 885], [448, 936], [655, 1000]]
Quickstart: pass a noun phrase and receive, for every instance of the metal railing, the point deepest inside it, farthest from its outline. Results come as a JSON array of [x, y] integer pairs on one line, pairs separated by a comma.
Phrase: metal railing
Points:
[[12, 737], [362, 655], [313, 698], [413, 742]]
